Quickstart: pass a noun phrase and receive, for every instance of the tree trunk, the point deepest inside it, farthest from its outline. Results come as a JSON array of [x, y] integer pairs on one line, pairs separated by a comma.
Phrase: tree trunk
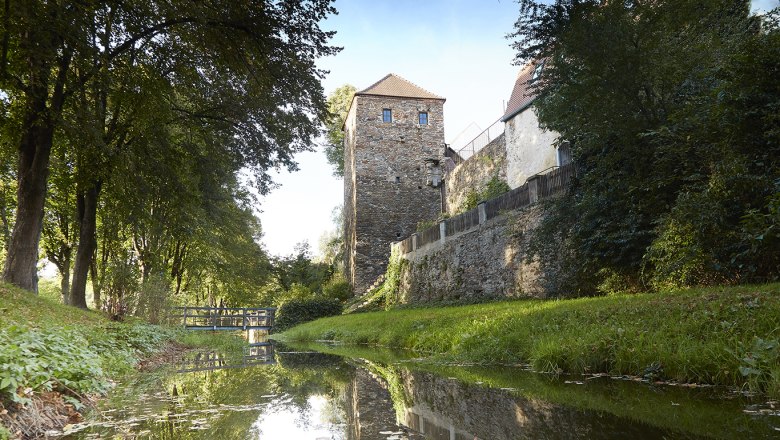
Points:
[[86, 202], [65, 282], [37, 131], [97, 285], [34, 151]]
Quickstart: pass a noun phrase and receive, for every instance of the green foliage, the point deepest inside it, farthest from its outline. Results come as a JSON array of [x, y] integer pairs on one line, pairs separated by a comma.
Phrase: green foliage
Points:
[[493, 188], [395, 269], [673, 125], [39, 360], [337, 288], [47, 346], [153, 117], [338, 106], [760, 363], [296, 292], [50, 289], [298, 311], [426, 224], [299, 268], [761, 229]]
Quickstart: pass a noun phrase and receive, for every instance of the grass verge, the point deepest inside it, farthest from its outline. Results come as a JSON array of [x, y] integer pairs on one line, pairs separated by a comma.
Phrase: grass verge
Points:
[[725, 336], [54, 359]]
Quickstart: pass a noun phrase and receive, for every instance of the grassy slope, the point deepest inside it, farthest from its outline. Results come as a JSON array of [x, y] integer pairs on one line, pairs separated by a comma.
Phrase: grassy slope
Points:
[[49, 343], [723, 335]]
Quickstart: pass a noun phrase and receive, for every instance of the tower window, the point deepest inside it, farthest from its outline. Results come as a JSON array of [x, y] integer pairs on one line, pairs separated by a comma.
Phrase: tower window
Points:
[[387, 115], [423, 118]]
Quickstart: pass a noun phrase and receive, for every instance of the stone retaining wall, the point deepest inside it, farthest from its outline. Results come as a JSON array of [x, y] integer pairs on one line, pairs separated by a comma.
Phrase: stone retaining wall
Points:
[[485, 262], [474, 173]]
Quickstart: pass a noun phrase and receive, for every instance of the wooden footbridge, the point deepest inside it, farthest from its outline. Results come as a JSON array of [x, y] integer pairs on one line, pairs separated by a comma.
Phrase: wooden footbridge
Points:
[[223, 318]]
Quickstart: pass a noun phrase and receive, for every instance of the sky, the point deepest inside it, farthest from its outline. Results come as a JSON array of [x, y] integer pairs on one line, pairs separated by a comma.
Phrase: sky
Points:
[[453, 48]]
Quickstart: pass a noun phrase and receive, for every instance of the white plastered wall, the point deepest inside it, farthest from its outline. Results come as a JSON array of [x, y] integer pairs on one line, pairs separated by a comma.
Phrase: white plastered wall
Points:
[[529, 149]]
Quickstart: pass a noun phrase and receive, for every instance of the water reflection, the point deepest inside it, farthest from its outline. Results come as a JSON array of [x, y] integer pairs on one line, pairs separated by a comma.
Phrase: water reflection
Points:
[[287, 393], [261, 353]]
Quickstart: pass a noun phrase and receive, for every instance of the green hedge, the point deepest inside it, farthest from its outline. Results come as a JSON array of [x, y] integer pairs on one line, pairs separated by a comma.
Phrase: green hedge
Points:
[[296, 312]]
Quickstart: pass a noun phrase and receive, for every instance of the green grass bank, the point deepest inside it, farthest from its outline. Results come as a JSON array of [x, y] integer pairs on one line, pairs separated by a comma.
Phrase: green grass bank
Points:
[[54, 358], [724, 336]]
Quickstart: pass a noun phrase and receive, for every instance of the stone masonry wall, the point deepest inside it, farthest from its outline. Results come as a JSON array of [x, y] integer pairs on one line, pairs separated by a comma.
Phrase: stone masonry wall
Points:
[[349, 193], [475, 172], [385, 191], [485, 262]]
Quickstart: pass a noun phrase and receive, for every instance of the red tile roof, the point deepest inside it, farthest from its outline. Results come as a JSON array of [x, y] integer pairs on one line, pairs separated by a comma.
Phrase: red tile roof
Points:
[[522, 94], [394, 85]]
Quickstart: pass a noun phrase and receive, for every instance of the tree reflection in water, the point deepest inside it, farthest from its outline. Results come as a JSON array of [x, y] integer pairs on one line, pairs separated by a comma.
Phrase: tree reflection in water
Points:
[[291, 394]]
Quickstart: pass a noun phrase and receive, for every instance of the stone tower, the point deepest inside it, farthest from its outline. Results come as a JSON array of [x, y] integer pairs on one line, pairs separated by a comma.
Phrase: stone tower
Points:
[[393, 130]]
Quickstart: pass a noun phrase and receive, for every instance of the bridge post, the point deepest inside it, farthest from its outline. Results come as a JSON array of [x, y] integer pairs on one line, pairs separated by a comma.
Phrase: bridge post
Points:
[[214, 318], [243, 318], [184, 321]]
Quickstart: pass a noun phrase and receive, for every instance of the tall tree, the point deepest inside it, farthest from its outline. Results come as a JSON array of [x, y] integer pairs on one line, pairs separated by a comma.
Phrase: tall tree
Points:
[[644, 91], [338, 105], [252, 66]]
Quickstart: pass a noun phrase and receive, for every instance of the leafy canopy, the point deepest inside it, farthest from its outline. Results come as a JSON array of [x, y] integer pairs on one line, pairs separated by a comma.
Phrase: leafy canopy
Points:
[[671, 107], [338, 105]]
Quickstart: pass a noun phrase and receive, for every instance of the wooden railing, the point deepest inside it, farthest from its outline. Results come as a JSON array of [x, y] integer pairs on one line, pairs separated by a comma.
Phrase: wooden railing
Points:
[[546, 184], [256, 354], [223, 318]]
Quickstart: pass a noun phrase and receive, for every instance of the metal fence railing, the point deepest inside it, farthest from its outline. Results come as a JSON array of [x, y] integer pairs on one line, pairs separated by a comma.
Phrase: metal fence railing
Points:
[[481, 140], [537, 187]]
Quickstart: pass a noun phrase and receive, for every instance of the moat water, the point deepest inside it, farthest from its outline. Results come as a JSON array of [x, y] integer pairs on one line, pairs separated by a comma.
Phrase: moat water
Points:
[[318, 392]]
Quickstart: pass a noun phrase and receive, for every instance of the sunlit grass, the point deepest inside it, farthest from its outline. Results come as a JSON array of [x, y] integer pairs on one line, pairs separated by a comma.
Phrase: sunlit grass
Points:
[[706, 335]]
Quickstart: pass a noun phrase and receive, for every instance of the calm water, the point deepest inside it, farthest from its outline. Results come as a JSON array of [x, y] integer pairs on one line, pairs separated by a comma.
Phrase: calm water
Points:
[[278, 392]]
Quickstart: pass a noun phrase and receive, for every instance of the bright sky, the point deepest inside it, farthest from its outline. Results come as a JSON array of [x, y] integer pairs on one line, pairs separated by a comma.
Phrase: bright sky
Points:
[[454, 48]]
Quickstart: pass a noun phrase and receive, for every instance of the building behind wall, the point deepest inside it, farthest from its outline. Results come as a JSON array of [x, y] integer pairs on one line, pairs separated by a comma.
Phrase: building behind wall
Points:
[[529, 148], [394, 135]]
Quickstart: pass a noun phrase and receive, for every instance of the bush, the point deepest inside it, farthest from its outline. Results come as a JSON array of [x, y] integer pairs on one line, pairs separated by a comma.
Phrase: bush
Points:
[[296, 312], [493, 188], [297, 292], [337, 288]]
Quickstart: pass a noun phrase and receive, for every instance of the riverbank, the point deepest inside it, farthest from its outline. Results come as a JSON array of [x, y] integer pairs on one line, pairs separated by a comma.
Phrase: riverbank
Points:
[[723, 336], [55, 360]]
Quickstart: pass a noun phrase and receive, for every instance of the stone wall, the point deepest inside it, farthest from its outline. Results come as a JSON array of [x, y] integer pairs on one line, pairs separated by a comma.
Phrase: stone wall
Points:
[[385, 179], [485, 262], [529, 149], [474, 173]]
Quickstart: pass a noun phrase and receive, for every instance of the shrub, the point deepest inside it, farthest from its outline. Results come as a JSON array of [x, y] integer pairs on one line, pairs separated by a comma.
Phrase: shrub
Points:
[[337, 288], [493, 188], [297, 292], [296, 312]]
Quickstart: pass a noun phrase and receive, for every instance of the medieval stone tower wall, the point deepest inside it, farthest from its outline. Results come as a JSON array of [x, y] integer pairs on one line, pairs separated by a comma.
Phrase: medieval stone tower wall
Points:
[[385, 190]]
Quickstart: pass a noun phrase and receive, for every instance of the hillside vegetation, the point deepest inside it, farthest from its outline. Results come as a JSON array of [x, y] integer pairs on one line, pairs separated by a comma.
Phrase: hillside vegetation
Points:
[[56, 358]]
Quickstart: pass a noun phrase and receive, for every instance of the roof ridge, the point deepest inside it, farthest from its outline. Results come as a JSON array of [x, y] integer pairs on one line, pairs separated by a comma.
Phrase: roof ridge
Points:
[[374, 85], [395, 85]]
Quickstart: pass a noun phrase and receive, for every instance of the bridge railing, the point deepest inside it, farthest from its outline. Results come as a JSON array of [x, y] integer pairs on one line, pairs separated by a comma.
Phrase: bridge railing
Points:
[[257, 354], [215, 318]]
